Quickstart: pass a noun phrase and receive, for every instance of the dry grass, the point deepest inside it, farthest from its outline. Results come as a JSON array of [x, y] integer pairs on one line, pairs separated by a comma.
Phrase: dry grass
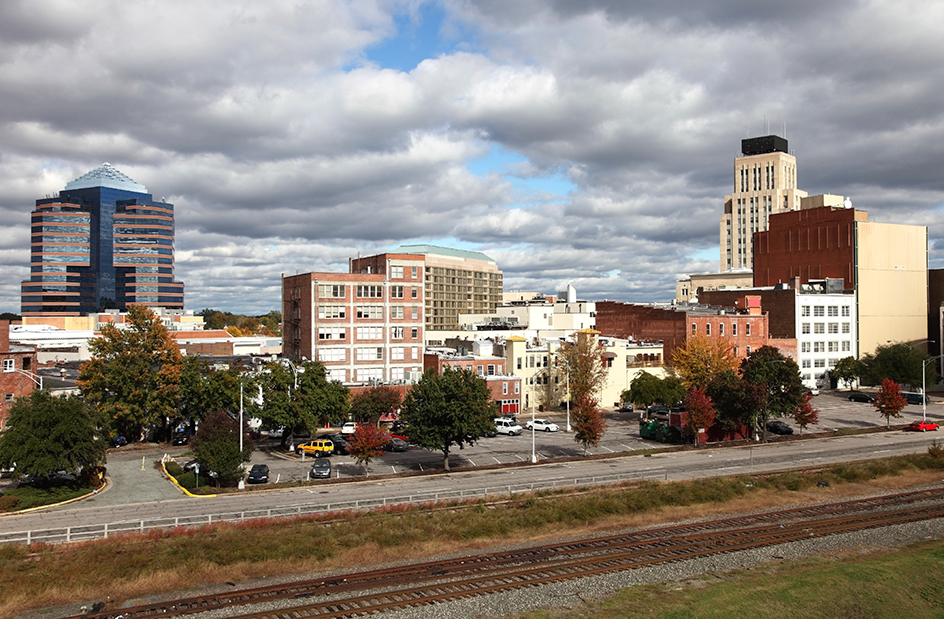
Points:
[[134, 566]]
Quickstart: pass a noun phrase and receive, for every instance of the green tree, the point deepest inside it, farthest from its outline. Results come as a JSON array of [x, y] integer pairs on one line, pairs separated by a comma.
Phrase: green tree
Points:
[[778, 378], [737, 401], [584, 357], [899, 362], [369, 405], [134, 374], [673, 390], [847, 370], [452, 408], [644, 390], [216, 445], [889, 401], [702, 358], [367, 443], [700, 411], [46, 434]]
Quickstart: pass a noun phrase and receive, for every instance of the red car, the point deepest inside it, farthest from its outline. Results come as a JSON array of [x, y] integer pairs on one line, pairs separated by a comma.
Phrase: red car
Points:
[[922, 426]]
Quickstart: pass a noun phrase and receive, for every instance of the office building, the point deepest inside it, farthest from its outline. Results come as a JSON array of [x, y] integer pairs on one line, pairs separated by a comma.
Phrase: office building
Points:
[[102, 243]]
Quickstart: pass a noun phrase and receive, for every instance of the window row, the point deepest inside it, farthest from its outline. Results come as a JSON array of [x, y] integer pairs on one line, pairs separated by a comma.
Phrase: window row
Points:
[[734, 329], [366, 333], [806, 347], [369, 353], [832, 310], [822, 327]]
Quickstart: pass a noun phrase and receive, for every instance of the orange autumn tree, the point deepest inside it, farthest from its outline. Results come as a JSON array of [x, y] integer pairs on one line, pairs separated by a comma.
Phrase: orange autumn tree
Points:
[[701, 359]]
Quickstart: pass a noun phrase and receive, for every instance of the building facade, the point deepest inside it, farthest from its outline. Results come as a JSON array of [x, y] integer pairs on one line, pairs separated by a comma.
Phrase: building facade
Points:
[[102, 243], [364, 327], [18, 377], [884, 265], [457, 281], [765, 182]]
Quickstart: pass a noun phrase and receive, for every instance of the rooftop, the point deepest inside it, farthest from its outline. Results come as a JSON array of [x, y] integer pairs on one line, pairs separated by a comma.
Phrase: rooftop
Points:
[[441, 251], [106, 175]]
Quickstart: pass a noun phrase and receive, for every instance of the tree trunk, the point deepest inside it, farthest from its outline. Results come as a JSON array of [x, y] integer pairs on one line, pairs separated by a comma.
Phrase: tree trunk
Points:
[[446, 459]]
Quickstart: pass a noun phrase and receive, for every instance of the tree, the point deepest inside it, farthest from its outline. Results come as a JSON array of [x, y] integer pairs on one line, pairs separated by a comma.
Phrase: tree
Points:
[[778, 378], [736, 400], [889, 401], [367, 443], [46, 434], [589, 423], [805, 414], [452, 408], [134, 373], [644, 390], [700, 411], [216, 445], [371, 404], [899, 362], [702, 358], [847, 370]]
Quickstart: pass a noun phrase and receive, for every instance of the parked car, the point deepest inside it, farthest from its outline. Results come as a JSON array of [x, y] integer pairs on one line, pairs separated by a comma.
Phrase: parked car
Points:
[[858, 396], [258, 474], [341, 446], [922, 426], [181, 437], [542, 425], [277, 433], [321, 468], [506, 426], [779, 427], [812, 390], [396, 444], [915, 398], [318, 447], [349, 427], [119, 441]]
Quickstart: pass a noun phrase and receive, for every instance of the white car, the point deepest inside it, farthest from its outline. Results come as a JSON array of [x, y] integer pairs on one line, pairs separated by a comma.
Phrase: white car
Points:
[[543, 424], [507, 426], [349, 427]]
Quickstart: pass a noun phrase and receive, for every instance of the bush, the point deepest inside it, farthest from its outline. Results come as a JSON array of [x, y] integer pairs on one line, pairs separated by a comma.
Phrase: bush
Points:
[[8, 503], [173, 469], [936, 450]]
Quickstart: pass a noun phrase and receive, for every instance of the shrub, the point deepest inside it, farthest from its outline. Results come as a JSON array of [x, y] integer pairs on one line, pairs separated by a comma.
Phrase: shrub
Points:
[[173, 469], [8, 503], [936, 450]]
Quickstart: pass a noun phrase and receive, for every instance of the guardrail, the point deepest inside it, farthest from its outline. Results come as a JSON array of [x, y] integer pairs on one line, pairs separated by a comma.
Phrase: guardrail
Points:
[[96, 531]]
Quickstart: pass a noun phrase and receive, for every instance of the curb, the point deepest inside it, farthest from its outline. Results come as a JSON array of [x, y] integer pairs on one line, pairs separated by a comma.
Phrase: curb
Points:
[[179, 487]]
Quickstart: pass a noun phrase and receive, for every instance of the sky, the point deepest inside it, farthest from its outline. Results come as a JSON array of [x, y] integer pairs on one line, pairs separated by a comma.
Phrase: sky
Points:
[[589, 142]]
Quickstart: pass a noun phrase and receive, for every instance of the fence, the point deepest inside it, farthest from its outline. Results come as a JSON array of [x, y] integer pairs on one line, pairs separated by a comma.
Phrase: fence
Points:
[[95, 531]]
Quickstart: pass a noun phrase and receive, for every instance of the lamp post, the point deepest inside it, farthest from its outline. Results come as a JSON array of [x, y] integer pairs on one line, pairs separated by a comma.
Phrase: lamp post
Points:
[[36, 378], [534, 457], [568, 397]]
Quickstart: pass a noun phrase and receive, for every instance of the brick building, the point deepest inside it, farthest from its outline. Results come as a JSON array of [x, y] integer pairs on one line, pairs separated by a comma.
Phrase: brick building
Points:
[[505, 389], [745, 327], [18, 377], [364, 327]]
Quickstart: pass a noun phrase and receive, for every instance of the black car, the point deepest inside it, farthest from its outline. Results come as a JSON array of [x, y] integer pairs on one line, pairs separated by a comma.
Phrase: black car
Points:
[[181, 437], [258, 474], [321, 468], [858, 396], [341, 444], [396, 444], [779, 427], [915, 398]]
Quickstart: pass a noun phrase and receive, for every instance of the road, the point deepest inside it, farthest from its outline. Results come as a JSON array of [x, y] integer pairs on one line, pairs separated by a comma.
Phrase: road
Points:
[[132, 481]]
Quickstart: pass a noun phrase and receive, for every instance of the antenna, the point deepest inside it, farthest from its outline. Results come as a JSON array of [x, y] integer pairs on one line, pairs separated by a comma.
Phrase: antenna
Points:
[[766, 126]]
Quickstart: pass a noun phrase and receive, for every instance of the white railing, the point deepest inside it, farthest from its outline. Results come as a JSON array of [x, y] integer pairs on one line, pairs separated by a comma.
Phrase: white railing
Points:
[[95, 531]]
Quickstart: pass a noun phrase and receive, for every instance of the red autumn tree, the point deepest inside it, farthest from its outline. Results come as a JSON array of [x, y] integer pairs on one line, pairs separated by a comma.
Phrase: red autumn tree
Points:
[[889, 401], [367, 443], [589, 422], [701, 411], [805, 414]]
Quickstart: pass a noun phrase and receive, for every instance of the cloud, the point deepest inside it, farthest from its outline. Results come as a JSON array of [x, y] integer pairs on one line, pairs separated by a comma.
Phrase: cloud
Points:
[[287, 146]]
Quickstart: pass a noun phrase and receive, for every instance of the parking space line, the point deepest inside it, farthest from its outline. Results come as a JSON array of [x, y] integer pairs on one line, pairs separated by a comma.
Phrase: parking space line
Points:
[[519, 457], [607, 448], [496, 460], [470, 462]]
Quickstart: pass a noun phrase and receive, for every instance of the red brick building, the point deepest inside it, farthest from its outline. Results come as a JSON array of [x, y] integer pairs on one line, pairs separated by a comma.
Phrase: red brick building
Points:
[[745, 327], [18, 377], [504, 388]]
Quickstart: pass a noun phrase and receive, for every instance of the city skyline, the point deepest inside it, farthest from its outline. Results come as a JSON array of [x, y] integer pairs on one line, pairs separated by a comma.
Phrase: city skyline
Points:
[[583, 142]]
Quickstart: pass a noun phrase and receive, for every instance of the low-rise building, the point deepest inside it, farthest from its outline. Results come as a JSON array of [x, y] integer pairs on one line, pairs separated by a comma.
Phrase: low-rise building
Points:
[[18, 377], [504, 388]]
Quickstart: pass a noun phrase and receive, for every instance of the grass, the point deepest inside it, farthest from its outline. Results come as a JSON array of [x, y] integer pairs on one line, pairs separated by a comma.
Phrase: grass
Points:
[[904, 583], [134, 565], [28, 497]]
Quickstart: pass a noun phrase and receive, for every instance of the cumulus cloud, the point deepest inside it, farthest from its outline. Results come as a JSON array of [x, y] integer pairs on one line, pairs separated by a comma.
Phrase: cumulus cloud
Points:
[[287, 145]]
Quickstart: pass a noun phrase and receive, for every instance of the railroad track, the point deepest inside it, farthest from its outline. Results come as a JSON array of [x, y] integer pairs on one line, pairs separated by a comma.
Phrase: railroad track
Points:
[[370, 591]]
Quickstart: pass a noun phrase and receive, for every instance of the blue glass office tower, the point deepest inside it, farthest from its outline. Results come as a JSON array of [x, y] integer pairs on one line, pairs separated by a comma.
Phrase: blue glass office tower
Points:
[[103, 243]]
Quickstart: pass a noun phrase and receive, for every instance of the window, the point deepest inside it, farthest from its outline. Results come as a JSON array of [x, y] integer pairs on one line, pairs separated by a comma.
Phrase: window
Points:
[[748, 350], [845, 310], [396, 272], [832, 363], [374, 312], [819, 327], [413, 272], [804, 310], [414, 353], [479, 370], [819, 363], [370, 292], [396, 312], [9, 365], [331, 311], [368, 374], [707, 328], [396, 292], [414, 291], [331, 333], [491, 369], [396, 353], [832, 347], [845, 327], [747, 330], [806, 364], [517, 387], [9, 397], [833, 327], [369, 333], [804, 347], [819, 310], [846, 346], [805, 327], [819, 346], [833, 310], [504, 388], [721, 329], [396, 333], [415, 313], [337, 375], [734, 329], [694, 328], [331, 291], [519, 363], [396, 373], [332, 354], [415, 332], [369, 354]]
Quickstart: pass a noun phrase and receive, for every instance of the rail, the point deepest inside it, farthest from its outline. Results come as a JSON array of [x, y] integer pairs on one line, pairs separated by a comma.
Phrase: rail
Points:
[[79, 533]]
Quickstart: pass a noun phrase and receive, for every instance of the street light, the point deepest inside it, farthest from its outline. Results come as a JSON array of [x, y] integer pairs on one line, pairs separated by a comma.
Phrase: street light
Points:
[[534, 455], [36, 378]]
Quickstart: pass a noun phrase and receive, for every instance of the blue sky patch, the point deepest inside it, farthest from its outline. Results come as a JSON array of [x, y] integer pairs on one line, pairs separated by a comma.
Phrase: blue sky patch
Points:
[[418, 37]]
